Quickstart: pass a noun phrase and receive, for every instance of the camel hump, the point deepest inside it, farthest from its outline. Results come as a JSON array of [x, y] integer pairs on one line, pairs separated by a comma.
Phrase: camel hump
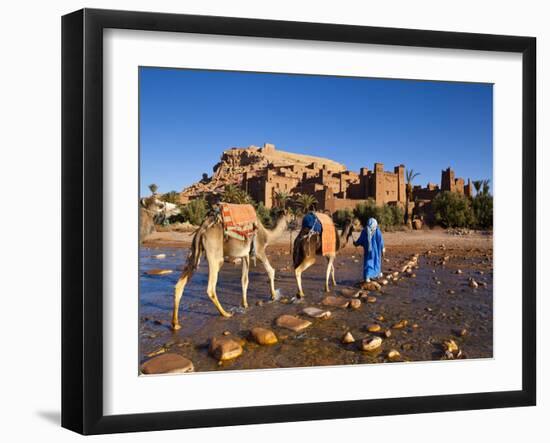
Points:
[[238, 214], [239, 221]]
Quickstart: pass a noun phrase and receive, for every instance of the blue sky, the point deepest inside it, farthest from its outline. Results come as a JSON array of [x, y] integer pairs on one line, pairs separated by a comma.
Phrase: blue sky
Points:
[[188, 117]]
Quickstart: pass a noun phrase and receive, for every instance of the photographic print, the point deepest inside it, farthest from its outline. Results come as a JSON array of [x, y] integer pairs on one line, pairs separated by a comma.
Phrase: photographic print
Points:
[[290, 220]]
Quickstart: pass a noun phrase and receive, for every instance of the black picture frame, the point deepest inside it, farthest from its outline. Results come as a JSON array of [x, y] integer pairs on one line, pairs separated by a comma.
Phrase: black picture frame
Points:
[[82, 218]]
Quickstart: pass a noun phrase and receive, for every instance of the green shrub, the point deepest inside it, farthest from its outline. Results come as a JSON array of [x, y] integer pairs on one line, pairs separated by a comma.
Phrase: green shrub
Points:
[[170, 197], [453, 210], [264, 215], [341, 215], [387, 216], [195, 211], [482, 205]]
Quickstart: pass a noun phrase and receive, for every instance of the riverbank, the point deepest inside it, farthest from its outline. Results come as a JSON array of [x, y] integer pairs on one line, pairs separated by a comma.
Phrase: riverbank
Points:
[[434, 303]]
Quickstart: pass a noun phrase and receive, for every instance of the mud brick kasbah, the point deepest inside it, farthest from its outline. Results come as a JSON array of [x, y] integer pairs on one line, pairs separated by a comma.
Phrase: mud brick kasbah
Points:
[[264, 171]]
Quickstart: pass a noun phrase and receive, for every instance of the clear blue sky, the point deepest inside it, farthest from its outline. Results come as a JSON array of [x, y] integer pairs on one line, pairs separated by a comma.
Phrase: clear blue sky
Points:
[[188, 117]]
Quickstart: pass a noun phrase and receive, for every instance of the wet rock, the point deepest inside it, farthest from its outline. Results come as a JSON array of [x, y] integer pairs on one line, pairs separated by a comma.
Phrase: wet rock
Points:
[[169, 363], [355, 304], [335, 301], [225, 348], [380, 318], [293, 323], [263, 336], [371, 286], [400, 324], [374, 328], [450, 345], [159, 272], [159, 256], [351, 293], [347, 338], [371, 344], [371, 299], [317, 313], [157, 352], [393, 354]]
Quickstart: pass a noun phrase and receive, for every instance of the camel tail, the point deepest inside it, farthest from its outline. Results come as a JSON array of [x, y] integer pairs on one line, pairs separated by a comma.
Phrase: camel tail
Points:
[[197, 249]]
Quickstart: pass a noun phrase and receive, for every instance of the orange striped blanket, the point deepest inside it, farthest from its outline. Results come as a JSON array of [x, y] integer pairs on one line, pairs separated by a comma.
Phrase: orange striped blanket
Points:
[[328, 236], [239, 221]]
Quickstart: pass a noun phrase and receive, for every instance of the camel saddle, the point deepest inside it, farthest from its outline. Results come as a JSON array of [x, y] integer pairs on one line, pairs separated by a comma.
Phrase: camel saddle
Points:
[[328, 233], [239, 221]]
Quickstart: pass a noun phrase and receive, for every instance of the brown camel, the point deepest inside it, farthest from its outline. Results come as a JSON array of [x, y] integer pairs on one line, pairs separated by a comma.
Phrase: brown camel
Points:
[[210, 240], [308, 245]]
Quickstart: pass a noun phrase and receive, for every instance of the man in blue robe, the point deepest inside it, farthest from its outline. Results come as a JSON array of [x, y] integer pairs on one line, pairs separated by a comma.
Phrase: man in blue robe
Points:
[[373, 243]]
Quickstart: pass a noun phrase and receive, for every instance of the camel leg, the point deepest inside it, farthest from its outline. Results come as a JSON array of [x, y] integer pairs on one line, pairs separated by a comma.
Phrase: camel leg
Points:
[[244, 279], [270, 272], [214, 266], [332, 274], [178, 292], [330, 267], [308, 261]]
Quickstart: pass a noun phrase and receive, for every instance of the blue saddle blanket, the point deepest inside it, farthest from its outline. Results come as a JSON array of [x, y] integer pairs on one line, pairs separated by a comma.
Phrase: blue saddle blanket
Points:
[[311, 222]]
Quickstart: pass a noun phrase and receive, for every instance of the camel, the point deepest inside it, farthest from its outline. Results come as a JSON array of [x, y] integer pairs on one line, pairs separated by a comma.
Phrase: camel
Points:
[[210, 240], [153, 211], [308, 245]]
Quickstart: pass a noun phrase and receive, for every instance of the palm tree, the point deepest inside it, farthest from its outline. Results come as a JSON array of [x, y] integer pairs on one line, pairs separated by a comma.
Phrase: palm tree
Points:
[[306, 202], [234, 194], [153, 188], [281, 198], [410, 175], [477, 185]]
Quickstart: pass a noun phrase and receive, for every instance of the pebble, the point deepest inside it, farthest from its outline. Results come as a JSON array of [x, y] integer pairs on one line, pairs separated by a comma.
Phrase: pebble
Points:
[[225, 348], [450, 291], [226, 332], [159, 271], [384, 282], [387, 333], [316, 313], [169, 363], [355, 304], [393, 354], [374, 328], [463, 332], [450, 345], [293, 323], [400, 324], [159, 256], [348, 338], [371, 344], [380, 318], [263, 336], [371, 299], [335, 301], [459, 271], [473, 284]]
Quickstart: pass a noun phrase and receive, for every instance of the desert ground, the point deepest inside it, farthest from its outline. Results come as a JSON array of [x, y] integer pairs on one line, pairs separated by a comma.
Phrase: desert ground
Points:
[[441, 309]]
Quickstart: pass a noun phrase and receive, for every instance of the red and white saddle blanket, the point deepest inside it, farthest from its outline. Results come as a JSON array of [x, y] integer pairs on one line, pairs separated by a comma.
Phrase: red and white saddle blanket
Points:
[[239, 221]]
